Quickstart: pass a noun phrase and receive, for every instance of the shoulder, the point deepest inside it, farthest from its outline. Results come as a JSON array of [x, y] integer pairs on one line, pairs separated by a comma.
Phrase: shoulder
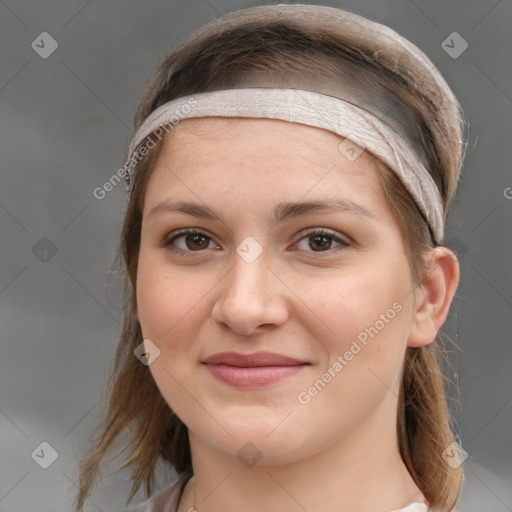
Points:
[[166, 500]]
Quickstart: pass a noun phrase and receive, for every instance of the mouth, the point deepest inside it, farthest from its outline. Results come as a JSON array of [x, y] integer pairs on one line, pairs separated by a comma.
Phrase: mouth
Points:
[[253, 370]]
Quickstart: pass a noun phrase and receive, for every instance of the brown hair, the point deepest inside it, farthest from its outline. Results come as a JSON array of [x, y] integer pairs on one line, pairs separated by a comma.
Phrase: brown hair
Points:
[[286, 42]]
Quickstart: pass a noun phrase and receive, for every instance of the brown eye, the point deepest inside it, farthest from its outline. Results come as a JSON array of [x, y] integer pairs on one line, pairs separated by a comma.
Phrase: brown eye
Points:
[[192, 241], [316, 241], [196, 241], [320, 240]]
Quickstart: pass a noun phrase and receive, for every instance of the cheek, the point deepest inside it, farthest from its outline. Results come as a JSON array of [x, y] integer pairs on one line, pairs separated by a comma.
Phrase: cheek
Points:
[[364, 305], [162, 296], [169, 308], [153, 296], [368, 314], [172, 307]]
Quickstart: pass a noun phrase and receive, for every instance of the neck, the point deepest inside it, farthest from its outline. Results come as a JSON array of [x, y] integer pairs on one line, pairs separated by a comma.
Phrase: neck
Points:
[[362, 472]]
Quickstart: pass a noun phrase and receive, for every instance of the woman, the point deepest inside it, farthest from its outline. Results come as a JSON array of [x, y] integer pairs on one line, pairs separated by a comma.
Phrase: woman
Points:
[[290, 173]]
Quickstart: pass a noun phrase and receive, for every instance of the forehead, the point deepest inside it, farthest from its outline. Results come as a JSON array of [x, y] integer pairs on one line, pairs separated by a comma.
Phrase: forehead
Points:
[[227, 139], [259, 156]]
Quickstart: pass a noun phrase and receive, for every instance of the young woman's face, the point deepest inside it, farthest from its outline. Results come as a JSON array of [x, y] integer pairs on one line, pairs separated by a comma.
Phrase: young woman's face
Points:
[[322, 298]]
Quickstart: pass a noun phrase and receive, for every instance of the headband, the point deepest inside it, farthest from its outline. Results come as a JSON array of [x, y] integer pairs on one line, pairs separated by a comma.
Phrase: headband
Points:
[[361, 129]]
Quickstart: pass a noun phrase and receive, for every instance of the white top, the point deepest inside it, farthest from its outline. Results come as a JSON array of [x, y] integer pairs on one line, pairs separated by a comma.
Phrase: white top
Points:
[[417, 506], [168, 499]]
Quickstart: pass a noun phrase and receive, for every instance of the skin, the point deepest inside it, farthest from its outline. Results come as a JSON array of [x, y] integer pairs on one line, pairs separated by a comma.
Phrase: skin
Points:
[[299, 298]]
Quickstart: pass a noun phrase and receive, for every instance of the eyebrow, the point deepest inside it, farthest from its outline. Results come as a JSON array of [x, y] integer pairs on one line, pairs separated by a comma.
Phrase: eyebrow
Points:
[[281, 212]]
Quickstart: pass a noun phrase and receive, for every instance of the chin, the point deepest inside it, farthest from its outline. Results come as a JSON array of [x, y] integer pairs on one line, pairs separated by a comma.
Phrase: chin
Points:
[[267, 440]]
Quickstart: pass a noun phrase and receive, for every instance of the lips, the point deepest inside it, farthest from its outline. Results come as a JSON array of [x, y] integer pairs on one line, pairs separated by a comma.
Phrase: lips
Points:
[[249, 360], [252, 370]]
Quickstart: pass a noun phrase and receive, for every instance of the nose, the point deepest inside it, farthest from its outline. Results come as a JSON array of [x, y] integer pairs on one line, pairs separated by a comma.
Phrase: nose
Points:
[[251, 298]]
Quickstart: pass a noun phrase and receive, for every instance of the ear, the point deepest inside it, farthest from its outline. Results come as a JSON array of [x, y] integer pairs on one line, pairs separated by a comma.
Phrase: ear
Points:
[[433, 296]]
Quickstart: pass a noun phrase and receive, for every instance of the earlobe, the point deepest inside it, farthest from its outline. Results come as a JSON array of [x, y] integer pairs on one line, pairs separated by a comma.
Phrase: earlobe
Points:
[[434, 296]]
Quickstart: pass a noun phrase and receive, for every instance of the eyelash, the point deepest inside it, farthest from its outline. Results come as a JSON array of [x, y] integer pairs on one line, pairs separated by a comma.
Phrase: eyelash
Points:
[[313, 231]]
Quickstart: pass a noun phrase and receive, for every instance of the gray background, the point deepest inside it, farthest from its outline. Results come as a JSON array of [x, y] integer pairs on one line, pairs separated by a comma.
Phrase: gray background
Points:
[[64, 131]]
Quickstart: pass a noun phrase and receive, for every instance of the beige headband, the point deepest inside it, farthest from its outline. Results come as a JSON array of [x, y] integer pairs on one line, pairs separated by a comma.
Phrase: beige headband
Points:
[[362, 130]]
